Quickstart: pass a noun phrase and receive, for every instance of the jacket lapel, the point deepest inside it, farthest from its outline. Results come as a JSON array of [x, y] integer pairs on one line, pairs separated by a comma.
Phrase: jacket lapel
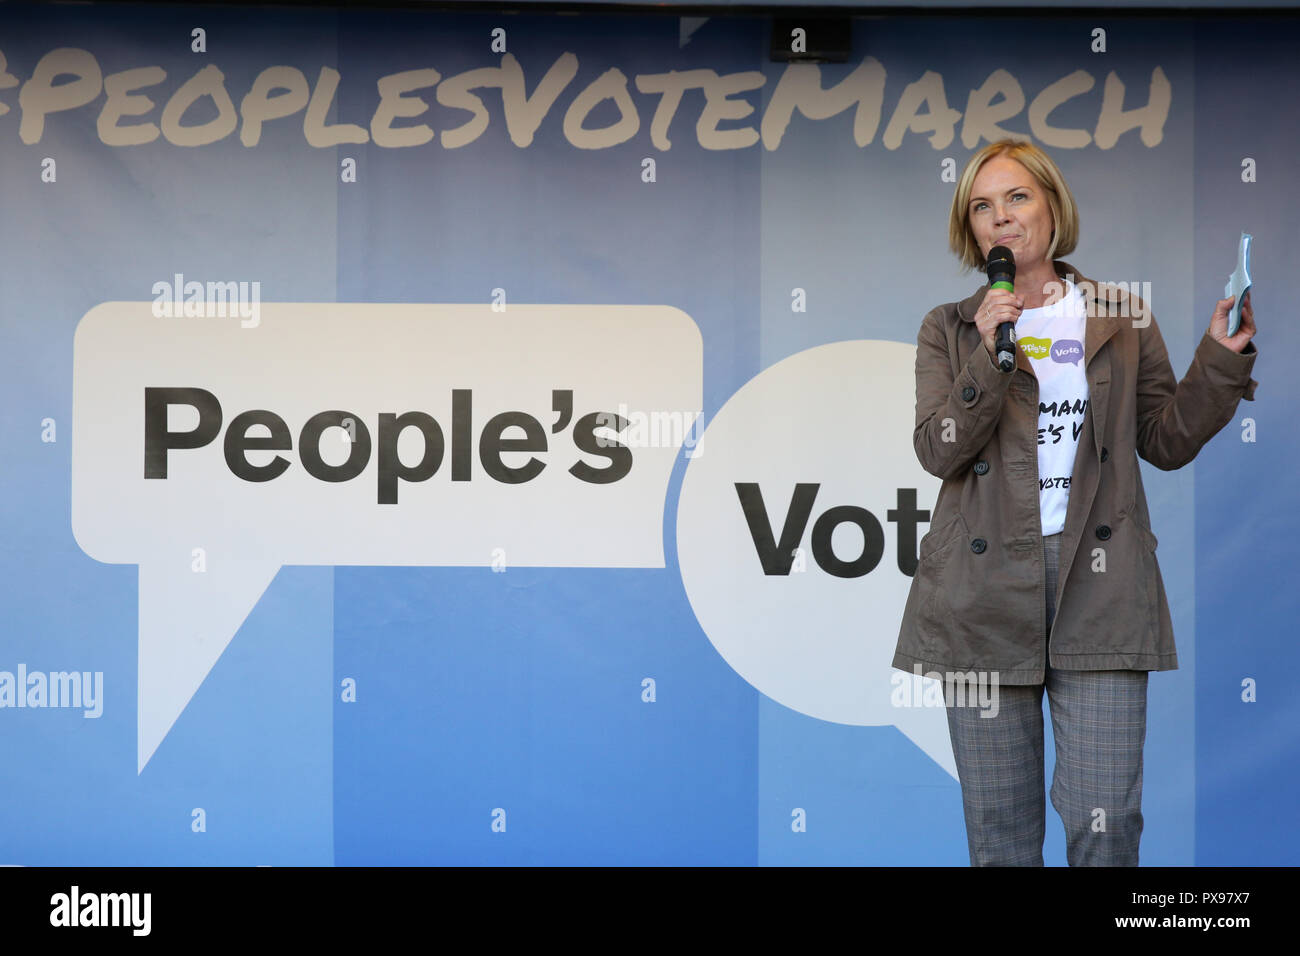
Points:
[[1103, 320]]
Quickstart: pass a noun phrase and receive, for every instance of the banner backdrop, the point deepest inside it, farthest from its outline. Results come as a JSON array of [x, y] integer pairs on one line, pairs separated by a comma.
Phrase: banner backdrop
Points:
[[439, 438]]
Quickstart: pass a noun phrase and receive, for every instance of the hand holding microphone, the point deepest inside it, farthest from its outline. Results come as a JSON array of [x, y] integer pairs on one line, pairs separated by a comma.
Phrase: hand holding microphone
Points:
[[997, 314]]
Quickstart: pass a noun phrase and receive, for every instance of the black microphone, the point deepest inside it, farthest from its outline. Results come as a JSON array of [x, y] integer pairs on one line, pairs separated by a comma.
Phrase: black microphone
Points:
[[1001, 269]]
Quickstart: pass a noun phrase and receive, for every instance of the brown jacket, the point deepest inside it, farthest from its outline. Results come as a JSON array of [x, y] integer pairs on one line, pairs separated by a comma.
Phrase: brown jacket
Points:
[[977, 600]]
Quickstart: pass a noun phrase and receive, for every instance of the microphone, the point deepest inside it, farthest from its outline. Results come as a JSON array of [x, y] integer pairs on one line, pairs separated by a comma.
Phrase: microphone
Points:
[[1001, 269]]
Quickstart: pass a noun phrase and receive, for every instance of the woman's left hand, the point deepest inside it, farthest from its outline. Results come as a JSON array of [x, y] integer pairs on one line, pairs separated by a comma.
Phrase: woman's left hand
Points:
[[1219, 324]]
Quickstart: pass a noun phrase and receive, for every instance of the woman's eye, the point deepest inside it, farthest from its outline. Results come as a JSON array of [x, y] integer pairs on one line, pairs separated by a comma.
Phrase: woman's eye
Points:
[[980, 205]]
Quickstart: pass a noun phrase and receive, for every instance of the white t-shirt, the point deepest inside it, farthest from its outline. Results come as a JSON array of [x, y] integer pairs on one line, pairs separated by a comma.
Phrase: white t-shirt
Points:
[[1052, 338]]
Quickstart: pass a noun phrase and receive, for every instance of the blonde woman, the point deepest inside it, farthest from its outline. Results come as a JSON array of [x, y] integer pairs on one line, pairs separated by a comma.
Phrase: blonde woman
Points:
[[1040, 563]]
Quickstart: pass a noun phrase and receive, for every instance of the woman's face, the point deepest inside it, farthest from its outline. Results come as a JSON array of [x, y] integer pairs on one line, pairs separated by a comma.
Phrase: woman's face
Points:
[[1008, 208]]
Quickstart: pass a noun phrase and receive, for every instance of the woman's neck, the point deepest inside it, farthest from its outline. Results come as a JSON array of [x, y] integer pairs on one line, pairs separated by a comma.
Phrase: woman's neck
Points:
[[1040, 285]]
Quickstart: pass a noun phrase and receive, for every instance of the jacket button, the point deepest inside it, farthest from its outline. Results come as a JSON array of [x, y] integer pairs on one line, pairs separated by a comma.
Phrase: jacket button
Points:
[[981, 467], [1104, 454], [967, 393], [1103, 532], [978, 545]]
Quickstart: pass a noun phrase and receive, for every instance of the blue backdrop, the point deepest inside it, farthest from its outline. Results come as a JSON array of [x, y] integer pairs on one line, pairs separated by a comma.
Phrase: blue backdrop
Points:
[[522, 692]]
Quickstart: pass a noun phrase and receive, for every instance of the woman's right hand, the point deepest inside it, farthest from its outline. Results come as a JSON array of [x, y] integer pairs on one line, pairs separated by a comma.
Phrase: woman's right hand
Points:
[[998, 306]]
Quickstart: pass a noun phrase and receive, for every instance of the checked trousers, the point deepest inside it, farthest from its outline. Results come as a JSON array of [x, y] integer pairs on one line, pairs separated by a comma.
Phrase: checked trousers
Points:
[[1099, 724]]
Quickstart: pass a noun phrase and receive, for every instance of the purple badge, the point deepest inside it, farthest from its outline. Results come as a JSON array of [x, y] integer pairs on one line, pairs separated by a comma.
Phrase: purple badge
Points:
[[1067, 351]]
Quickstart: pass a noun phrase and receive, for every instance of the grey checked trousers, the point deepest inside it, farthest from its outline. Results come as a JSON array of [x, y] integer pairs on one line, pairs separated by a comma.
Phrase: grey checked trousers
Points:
[[1099, 723]]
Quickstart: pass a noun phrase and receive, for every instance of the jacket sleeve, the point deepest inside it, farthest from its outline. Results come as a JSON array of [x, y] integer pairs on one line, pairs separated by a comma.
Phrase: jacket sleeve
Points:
[[1175, 420], [955, 416]]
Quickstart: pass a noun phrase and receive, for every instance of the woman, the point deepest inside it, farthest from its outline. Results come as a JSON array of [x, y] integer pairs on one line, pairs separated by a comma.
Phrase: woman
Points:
[[1039, 569]]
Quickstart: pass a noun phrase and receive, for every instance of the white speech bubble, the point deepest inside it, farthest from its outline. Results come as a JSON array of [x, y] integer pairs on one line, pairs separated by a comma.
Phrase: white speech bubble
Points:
[[840, 416], [367, 360]]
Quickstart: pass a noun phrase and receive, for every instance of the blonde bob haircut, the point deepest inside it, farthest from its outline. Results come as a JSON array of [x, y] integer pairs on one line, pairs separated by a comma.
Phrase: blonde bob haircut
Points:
[[1065, 214]]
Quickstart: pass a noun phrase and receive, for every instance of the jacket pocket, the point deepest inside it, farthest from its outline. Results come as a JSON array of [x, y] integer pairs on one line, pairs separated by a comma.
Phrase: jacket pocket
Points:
[[1147, 572], [1149, 540], [936, 548], [939, 539], [1143, 530]]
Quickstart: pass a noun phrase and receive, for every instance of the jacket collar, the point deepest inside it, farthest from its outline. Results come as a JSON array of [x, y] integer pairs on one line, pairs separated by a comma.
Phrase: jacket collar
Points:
[[1105, 306]]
